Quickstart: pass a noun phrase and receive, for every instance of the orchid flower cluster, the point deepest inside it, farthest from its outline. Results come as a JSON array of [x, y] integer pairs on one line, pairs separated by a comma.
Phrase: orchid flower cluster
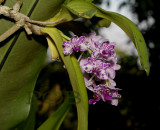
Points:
[[98, 65]]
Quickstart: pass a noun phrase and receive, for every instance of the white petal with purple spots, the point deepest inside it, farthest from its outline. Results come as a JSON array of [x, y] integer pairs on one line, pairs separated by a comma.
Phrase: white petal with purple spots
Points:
[[111, 73], [84, 47], [68, 50], [102, 75], [88, 68]]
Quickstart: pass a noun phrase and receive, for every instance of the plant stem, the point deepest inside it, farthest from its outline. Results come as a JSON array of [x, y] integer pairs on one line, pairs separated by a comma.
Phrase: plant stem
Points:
[[92, 77], [80, 56]]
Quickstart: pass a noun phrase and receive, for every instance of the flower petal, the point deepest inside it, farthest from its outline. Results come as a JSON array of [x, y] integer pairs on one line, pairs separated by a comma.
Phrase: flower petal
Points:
[[114, 100], [83, 61], [74, 39], [84, 47], [104, 45], [116, 67], [95, 53], [102, 75], [111, 73], [106, 65], [93, 37], [88, 68], [66, 43], [81, 39], [112, 83], [88, 82], [68, 50], [90, 60], [94, 101]]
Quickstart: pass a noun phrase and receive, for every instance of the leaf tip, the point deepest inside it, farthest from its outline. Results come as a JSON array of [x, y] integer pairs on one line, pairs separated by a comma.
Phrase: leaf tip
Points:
[[147, 69]]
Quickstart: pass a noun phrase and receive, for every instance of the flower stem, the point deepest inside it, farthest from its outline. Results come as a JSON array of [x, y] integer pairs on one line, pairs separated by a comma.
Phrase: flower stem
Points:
[[92, 77], [80, 56], [90, 51]]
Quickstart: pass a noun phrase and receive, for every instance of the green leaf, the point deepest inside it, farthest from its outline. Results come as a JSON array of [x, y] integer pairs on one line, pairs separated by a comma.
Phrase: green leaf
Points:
[[88, 14], [124, 23], [76, 78], [53, 50], [63, 13], [30, 122], [20, 71], [103, 23], [55, 120], [67, 1]]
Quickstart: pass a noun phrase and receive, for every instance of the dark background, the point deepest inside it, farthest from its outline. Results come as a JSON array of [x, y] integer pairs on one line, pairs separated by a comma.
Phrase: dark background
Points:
[[139, 107]]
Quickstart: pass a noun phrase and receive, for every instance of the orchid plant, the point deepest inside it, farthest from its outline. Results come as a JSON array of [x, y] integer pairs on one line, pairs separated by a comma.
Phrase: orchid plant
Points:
[[99, 66], [23, 53]]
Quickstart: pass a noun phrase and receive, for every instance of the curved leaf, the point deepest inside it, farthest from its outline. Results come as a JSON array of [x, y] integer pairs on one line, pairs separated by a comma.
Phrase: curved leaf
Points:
[[53, 50], [30, 122], [20, 71], [86, 14], [67, 1], [124, 23], [63, 13], [55, 120], [76, 78], [103, 23]]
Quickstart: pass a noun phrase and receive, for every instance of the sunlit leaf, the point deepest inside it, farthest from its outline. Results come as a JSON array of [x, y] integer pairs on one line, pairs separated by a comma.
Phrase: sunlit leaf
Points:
[[124, 23], [63, 13], [103, 23], [53, 50], [88, 14], [67, 1]]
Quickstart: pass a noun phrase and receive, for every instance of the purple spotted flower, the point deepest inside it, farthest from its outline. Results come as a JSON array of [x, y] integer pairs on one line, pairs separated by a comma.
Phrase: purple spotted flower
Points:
[[75, 44], [105, 50], [114, 64], [96, 67], [106, 94], [88, 82], [99, 68], [92, 40]]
